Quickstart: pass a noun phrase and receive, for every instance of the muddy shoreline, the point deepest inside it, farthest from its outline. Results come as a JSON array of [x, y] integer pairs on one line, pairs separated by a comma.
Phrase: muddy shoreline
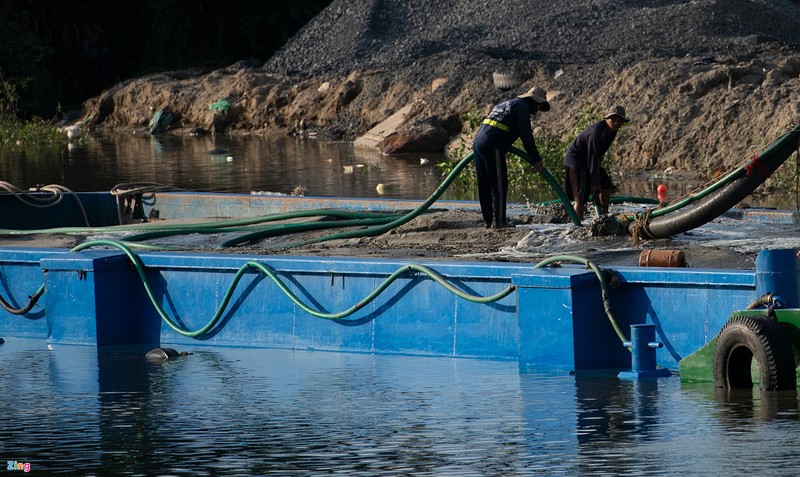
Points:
[[708, 83]]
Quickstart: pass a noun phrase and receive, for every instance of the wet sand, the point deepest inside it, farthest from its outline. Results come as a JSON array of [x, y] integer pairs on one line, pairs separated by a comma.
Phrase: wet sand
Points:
[[725, 243]]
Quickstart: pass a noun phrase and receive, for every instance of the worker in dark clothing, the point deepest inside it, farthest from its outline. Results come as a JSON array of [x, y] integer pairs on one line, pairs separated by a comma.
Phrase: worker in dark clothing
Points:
[[584, 174], [505, 123]]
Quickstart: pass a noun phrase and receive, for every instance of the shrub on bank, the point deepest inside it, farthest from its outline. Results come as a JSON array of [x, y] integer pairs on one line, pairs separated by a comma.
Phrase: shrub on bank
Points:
[[36, 132], [18, 133]]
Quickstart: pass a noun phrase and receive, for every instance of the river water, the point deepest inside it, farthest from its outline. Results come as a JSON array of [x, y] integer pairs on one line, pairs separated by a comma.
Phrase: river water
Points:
[[276, 164], [246, 412], [224, 164], [74, 410]]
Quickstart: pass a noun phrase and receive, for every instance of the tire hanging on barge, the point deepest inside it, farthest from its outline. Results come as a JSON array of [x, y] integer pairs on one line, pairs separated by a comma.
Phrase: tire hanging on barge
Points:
[[745, 338]]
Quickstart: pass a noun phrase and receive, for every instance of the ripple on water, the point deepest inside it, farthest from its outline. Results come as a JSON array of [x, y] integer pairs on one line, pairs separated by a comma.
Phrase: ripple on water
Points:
[[257, 411]]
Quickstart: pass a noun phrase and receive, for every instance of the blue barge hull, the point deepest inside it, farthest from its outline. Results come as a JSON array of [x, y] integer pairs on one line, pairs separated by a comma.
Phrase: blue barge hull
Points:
[[553, 319]]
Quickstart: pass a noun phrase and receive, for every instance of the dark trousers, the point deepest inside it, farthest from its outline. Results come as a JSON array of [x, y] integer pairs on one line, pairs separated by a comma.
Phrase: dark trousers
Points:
[[492, 173], [576, 183]]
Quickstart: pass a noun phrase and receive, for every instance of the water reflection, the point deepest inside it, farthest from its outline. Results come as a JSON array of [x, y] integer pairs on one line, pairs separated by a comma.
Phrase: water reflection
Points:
[[257, 412], [267, 163], [744, 405], [225, 164], [656, 427], [123, 385]]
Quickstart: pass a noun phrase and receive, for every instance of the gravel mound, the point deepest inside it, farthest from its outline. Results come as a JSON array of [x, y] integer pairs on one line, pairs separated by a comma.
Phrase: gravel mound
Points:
[[364, 34]]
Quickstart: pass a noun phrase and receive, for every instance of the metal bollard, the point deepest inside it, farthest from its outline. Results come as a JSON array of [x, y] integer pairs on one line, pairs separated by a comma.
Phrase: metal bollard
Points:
[[643, 346]]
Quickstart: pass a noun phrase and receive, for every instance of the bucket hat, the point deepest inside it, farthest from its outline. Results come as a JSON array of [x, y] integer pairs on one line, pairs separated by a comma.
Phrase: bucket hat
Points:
[[539, 95], [617, 111]]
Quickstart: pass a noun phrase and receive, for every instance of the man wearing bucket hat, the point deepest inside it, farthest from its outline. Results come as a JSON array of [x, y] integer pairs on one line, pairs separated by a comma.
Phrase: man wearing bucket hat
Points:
[[507, 122], [584, 174]]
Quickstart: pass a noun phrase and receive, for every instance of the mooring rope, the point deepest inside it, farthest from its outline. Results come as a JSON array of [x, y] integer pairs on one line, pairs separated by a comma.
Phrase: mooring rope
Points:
[[56, 191], [639, 229]]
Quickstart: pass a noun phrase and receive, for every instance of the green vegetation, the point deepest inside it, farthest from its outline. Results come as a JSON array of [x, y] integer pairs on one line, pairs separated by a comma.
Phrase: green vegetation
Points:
[[36, 132], [17, 133], [524, 183]]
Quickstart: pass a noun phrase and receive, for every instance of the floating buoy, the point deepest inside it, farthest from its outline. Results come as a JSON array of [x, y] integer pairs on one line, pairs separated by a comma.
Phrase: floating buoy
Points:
[[384, 188], [661, 193], [351, 169]]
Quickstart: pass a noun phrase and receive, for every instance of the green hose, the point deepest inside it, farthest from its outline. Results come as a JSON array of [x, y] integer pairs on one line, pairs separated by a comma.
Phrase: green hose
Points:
[[267, 230], [284, 229], [379, 229], [270, 272], [405, 269], [201, 227], [383, 228], [604, 292], [562, 196], [273, 274]]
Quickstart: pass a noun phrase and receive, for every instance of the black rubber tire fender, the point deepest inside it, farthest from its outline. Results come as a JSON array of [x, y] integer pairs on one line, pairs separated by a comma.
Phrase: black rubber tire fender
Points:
[[747, 338]]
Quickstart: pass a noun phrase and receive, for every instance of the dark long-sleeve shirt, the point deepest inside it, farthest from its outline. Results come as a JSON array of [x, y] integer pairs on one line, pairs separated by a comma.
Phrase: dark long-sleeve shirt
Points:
[[587, 150], [513, 121]]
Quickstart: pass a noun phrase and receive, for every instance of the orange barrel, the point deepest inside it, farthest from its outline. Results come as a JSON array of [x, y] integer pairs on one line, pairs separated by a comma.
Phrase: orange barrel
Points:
[[662, 258]]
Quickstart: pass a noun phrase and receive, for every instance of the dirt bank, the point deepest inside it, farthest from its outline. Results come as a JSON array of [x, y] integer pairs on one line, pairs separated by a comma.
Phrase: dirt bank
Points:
[[707, 82]]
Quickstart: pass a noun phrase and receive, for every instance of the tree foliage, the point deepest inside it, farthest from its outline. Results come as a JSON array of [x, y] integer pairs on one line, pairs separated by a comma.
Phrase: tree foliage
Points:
[[54, 53]]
